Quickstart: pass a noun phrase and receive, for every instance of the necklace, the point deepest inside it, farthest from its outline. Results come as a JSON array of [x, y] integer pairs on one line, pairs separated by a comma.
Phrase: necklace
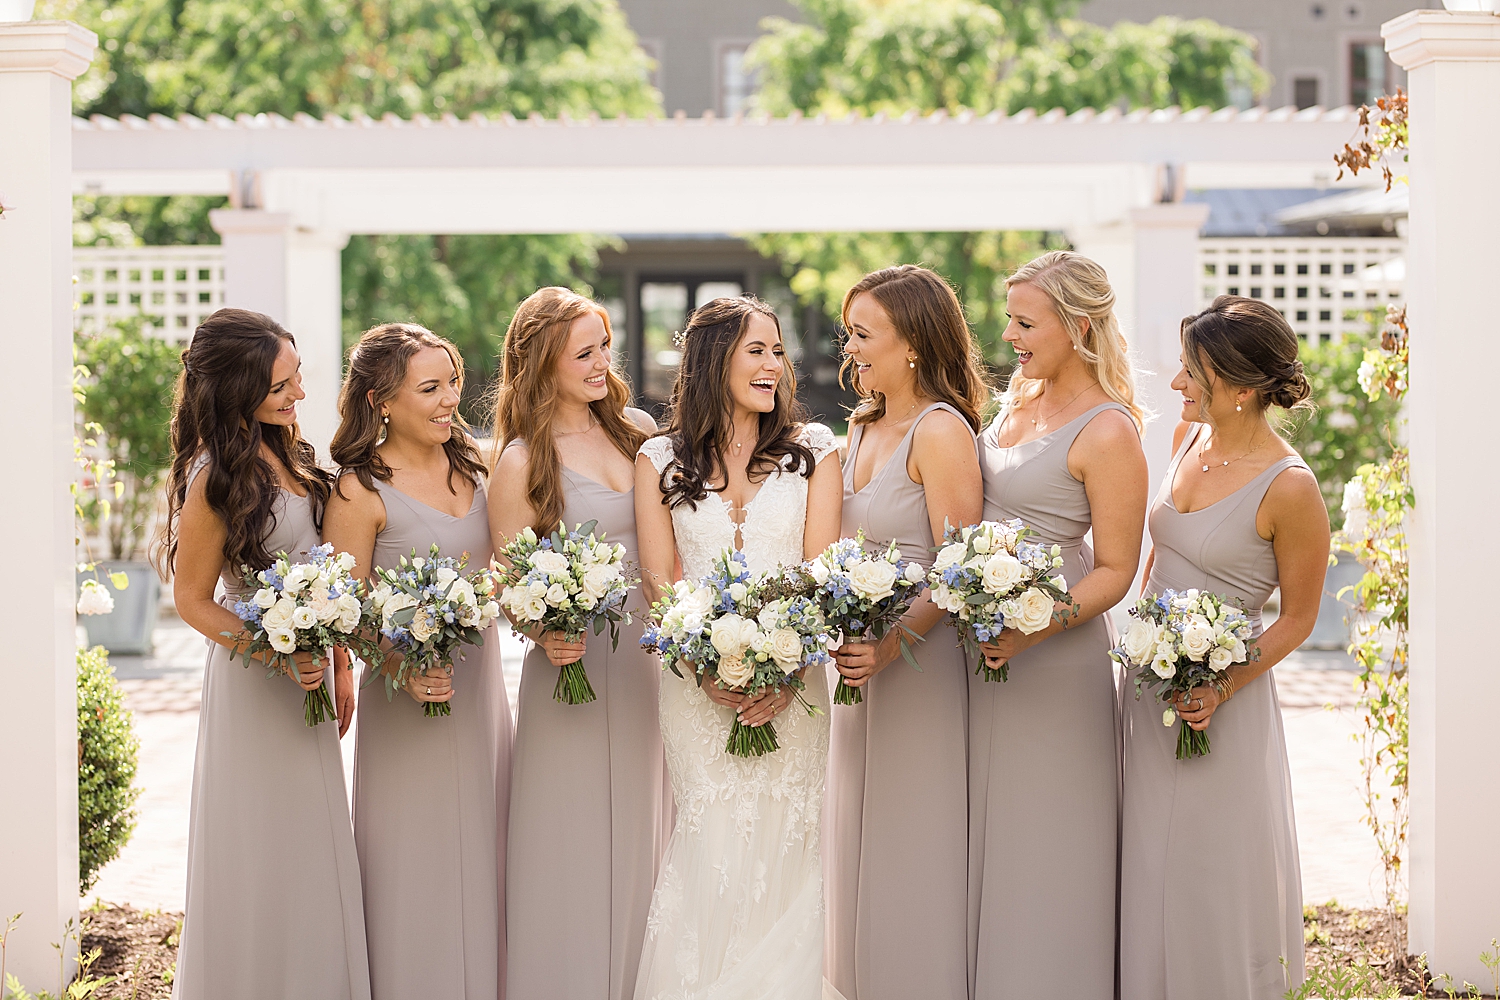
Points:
[[1055, 412], [583, 430], [1206, 466]]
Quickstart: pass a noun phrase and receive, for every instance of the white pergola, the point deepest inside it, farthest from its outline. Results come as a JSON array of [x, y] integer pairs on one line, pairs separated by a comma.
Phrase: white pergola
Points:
[[1112, 182]]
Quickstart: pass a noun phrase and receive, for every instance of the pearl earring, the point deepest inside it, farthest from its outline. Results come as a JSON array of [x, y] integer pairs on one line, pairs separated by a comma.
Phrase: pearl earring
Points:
[[385, 418], [1238, 408], [911, 362]]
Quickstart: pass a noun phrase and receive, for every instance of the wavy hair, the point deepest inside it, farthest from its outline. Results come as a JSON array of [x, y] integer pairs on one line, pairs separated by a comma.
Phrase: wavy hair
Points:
[[1249, 345], [1079, 289], [377, 370], [926, 313], [225, 377], [526, 400], [700, 421]]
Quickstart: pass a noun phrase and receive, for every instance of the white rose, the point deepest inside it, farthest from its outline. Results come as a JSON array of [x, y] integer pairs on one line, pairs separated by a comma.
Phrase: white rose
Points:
[[556, 595], [379, 596], [1002, 571], [948, 555], [304, 617], [462, 592], [349, 613], [325, 608], [278, 618], [1140, 640], [786, 649], [535, 608], [282, 641], [265, 597], [598, 579], [345, 562], [947, 599], [94, 599], [549, 562], [726, 636], [737, 592], [1197, 638], [1220, 658], [874, 579], [1164, 662], [981, 542], [914, 573], [394, 603], [490, 611], [293, 582], [699, 602], [819, 571], [424, 625], [444, 576], [736, 670]]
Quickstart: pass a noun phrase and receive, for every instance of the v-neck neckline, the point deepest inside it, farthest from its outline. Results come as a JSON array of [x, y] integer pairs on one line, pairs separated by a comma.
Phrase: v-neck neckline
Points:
[[437, 510], [878, 473], [602, 486]]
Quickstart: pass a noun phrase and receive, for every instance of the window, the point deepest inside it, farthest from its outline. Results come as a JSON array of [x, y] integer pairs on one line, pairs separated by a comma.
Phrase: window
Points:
[[1348, 268], [736, 82], [1301, 268], [1278, 268], [1278, 292], [1232, 269], [1367, 72], [1325, 268], [1302, 292], [1255, 269], [1301, 315], [1255, 292], [1232, 290], [1210, 269], [1305, 92], [1325, 315]]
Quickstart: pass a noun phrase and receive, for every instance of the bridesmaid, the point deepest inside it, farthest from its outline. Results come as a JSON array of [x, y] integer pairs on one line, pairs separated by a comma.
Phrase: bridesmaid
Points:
[[430, 794], [586, 780], [1064, 455], [897, 830], [1211, 891], [273, 905]]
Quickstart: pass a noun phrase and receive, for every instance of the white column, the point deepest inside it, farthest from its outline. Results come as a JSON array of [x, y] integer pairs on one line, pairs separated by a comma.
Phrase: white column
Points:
[[1453, 62], [38, 692], [1151, 260], [292, 275]]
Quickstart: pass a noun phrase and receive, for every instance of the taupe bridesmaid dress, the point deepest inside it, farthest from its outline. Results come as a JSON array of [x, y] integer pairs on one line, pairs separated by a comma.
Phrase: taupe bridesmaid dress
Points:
[[1043, 762], [586, 800], [896, 829], [431, 797], [1210, 885], [273, 900]]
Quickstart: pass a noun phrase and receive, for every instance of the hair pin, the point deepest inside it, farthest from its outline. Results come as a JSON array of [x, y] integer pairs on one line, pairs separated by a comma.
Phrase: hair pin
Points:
[[679, 339]]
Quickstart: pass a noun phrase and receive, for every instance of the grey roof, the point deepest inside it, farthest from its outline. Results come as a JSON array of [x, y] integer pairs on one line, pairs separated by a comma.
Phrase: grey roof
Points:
[[1251, 211]]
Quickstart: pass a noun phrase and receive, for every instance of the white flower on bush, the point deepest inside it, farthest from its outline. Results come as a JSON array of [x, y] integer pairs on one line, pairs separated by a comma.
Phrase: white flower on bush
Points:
[[1198, 638], [1140, 640], [1356, 515], [282, 641], [94, 599], [1002, 571], [873, 579], [785, 648], [598, 579]]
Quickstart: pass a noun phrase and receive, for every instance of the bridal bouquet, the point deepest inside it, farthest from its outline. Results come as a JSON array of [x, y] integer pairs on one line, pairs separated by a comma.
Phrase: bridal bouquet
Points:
[[746, 632], [989, 577], [862, 593], [428, 608], [1181, 640], [569, 582], [303, 607]]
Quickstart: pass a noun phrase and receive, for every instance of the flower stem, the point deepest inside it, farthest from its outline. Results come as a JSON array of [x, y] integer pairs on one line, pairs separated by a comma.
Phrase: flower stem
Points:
[[1000, 673], [1191, 742], [435, 709], [317, 707], [573, 687], [751, 741], [843, 694]]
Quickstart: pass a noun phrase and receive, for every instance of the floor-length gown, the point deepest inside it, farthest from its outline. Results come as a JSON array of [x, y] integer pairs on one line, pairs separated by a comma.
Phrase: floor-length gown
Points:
[[585, 800], [431, 796], [1043, 760], [1210, 885], [898, 814], [738, 908], [273, 893]]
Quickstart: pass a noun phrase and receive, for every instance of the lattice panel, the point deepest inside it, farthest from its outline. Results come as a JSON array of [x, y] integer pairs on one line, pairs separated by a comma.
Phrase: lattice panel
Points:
[[174, 287]]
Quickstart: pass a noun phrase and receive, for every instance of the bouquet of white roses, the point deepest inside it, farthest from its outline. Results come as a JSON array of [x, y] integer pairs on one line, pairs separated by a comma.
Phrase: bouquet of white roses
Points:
[[745, 632], [568, 582], [1181, 640], [303, 607], [863, 593], [989, 577], [428, 608]]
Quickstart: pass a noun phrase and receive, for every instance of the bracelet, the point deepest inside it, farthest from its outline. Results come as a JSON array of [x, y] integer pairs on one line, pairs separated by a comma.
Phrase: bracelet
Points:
[[1224, 687]]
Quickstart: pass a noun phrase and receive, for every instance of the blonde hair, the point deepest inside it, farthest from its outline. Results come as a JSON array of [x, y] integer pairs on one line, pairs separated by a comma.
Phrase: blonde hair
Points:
[[1079, 289]]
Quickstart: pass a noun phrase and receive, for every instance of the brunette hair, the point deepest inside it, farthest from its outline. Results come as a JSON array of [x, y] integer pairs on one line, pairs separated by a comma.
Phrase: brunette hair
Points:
[[926, 313], [1248, 344], [699, 424], [225, 377], [1079, 289], [377, 370], [526, 400]]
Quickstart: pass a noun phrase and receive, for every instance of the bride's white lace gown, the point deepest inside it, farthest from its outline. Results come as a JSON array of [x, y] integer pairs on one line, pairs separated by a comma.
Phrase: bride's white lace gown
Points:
[[738, 908]]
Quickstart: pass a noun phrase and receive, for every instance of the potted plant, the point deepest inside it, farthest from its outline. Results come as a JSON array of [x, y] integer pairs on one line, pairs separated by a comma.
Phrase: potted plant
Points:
[[127, 409]]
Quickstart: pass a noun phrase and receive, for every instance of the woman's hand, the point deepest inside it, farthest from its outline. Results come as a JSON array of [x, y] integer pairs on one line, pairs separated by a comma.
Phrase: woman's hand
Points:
[[859, 661], [1006, 646], [762, 709], [559, 650], [309, 675], [433, 684], [722, 696], [343, 697], [1196, 707]]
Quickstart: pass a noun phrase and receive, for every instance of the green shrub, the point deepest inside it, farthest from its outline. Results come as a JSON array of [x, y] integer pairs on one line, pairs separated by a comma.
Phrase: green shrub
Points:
[[107, 750]]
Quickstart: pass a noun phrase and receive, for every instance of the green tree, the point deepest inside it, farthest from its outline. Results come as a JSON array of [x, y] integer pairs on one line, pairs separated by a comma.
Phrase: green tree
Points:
[[894, 56], [107, 752]]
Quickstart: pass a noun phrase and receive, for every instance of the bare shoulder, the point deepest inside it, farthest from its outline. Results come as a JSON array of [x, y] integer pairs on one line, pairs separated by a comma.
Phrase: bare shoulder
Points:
[[1178, 433], [641, 419], [512, 463], [1111, 430], [1296, 491], [941, 428], [352, 495]]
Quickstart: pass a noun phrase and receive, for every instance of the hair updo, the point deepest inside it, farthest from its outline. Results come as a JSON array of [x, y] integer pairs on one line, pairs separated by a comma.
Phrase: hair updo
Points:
[[1249, 345]]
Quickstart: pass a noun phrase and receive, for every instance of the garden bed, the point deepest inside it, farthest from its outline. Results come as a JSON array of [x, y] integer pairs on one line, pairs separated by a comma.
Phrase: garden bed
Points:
[[139, 951]]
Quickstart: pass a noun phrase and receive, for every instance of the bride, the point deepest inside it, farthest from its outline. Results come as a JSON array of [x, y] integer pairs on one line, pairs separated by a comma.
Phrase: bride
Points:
[[738, 907]]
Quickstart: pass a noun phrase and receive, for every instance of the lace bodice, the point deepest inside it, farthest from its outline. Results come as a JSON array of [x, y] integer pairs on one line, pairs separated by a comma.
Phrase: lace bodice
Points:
[[775, 517]]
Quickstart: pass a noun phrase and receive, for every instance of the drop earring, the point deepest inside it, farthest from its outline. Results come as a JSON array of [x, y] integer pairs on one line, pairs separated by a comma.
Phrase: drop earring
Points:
[[385, 420], [1238, 408], [911, 362]]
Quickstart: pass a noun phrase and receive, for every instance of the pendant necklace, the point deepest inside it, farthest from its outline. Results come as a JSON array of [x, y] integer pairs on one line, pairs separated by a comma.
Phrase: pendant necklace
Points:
[[1206, 466], [1055, 412]]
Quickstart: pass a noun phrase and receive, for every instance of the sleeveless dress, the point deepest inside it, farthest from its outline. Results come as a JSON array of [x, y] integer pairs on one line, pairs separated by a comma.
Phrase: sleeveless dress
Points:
[[1211, 890], [273, 897], [431, 797], [1043, 761], [738, 907], [898, 814], [585, 800]]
